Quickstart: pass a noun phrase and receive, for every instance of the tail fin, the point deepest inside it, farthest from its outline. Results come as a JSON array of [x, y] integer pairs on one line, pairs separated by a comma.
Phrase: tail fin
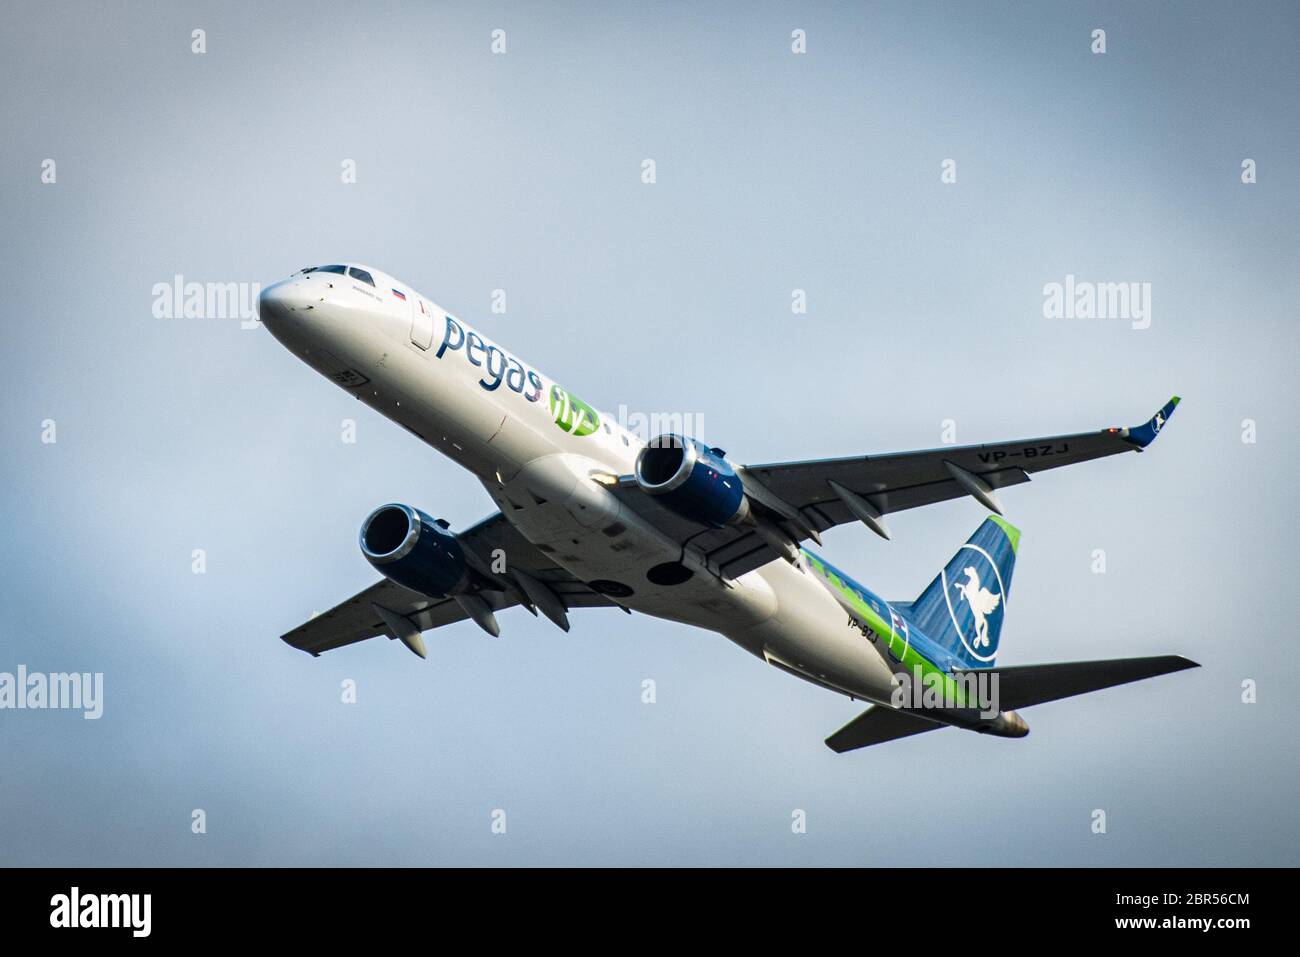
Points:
[[962, 609]]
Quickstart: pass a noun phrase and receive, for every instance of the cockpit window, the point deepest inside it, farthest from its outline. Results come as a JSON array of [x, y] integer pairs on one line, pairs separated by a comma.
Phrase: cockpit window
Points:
[[361, 274], [340, 270]]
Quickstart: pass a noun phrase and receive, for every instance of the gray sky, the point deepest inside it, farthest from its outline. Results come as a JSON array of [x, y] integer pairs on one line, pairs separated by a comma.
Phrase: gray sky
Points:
[[521, 171]]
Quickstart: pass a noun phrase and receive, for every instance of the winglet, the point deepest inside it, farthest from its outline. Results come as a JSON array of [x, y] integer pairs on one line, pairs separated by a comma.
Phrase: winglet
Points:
[[1144, 434]]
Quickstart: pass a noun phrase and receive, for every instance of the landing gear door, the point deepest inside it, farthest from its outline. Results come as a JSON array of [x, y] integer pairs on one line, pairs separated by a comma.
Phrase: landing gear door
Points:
[[421, 322]]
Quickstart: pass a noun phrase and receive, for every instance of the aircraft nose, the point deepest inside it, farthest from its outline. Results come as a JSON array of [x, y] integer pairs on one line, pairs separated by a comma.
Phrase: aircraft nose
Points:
[[279, 302]]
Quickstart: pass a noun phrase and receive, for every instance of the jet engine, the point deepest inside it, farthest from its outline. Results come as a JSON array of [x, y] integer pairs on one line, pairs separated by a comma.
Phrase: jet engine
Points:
[[693, 480], [416, 551]]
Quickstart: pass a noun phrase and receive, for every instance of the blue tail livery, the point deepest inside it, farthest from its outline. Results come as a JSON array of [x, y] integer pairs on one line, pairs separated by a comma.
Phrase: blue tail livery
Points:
[[963, 608]]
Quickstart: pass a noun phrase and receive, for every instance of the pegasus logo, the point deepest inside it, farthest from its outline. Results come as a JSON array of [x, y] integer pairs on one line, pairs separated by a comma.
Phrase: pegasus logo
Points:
[[982, 604]]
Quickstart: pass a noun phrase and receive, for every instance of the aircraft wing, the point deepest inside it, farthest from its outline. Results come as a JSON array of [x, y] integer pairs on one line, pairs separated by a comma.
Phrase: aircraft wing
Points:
[[902, 480], [358, 618], [806, 498]]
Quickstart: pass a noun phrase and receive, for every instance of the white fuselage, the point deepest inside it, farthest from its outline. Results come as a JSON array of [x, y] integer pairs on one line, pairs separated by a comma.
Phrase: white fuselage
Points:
[[492, 413]]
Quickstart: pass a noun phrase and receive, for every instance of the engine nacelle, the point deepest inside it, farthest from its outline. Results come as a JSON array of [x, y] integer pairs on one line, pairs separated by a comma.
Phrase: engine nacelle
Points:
[[410, 548], [693, 480]]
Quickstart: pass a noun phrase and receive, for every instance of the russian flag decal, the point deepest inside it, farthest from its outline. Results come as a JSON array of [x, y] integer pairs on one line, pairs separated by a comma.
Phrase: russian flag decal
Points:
[[399, 294]]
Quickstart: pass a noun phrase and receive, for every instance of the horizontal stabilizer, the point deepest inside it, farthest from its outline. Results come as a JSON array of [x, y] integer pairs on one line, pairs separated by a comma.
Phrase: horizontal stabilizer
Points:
[[1018, 687], [876, 725], [1025, 685]]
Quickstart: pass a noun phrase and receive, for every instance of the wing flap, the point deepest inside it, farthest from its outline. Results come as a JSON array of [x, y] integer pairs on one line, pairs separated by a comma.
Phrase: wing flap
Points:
[[730, 551]]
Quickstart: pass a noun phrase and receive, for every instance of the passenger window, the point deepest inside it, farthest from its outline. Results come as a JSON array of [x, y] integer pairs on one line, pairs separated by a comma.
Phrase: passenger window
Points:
[[361, 274]]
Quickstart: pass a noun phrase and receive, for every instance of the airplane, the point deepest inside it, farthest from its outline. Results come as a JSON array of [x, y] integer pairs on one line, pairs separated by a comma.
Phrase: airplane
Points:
[[592, 516]]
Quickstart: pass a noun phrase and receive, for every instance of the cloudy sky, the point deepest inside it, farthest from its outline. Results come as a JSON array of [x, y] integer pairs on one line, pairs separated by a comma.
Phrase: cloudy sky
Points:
[[521, 171]]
